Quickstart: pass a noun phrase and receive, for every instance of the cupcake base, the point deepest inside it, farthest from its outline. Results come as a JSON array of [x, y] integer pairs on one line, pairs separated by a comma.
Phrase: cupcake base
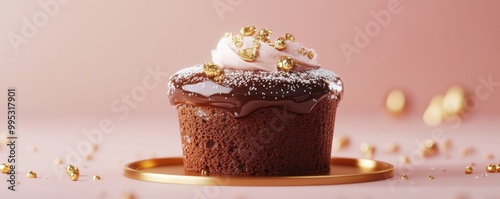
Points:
[[269, 141]]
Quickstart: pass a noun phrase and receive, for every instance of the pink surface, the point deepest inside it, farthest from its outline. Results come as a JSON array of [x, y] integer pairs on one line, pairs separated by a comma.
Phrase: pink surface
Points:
[[82, 60]]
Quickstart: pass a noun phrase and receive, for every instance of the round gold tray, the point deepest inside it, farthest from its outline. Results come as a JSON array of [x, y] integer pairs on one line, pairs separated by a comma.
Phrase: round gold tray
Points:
[[342, 171]]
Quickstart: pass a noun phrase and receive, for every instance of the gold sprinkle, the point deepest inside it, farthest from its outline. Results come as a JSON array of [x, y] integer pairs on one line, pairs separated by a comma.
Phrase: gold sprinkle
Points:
[[204, 172], [32, 149], [404, 177], [5, 168], [430, 177], [433, 115], [468, 170], [97, 177], [467, 151], [429, 148], [302, 51], [395, 102], [58, 161], [248, 31], [280, 43], [447, 145], [454, 101], [128, 195], [491, 168], [489, 156], [368, 150], [88, 157], [286, 64], [340, 143], [31, 174], [248, 54], [228, 34], [392, 148], [289, 37], [404, 159], [4, 139], [498, 167]]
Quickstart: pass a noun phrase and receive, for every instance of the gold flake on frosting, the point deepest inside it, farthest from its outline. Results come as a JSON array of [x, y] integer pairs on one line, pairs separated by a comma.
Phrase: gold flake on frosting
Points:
[[250, 54], [305, 52], [289, 37], [280, 43], [286, 64], [213, 71], [248, 31]]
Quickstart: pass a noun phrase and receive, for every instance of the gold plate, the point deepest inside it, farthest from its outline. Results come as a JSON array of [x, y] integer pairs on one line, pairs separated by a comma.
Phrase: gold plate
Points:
[[342, 171]]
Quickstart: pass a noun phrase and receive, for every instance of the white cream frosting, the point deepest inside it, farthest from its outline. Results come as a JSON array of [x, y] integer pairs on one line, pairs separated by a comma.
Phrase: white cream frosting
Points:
[[226, 56]]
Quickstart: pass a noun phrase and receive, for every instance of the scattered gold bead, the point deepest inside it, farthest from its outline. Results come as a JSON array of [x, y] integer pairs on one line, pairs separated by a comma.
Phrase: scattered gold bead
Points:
[[286, 64], [256, 43], [74, 176], [429, 148], [4, 139], [404, 177], [71, 169], [488, 156], [248, 31], [5, 168], [392, 148], [31, 174], [228, 34], [430, 177], [289, 37], [280, 43], [204, 172], [395, 102], [340, 143], [32, 149], [97, 177], [433, 115], [469, 170], [498, 167], [447, 145], [404, 159], [128, 196], [467, 151], [491, 168], [454, 101], [368, 150], [58, 161]]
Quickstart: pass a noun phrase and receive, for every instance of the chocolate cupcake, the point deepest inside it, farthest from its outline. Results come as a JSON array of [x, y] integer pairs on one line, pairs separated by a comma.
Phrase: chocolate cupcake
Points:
[[259, 108]]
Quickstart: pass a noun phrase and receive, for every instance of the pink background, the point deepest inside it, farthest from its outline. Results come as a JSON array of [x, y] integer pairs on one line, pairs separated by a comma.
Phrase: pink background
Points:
[[90, 53]]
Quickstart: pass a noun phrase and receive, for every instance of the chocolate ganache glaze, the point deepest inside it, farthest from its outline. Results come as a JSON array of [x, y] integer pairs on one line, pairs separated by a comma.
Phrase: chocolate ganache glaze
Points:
[[243, 91], [249, 72]]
